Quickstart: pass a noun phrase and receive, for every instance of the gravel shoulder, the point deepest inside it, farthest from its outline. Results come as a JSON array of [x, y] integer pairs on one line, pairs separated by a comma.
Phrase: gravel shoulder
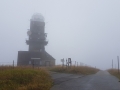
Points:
[[99, 81]]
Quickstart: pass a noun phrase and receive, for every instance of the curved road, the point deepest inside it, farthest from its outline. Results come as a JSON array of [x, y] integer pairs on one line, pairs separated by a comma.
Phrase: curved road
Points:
[[99, 81]]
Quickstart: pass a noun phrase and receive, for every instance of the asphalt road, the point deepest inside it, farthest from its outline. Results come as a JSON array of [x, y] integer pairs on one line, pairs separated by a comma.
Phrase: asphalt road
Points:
[[99, 81]]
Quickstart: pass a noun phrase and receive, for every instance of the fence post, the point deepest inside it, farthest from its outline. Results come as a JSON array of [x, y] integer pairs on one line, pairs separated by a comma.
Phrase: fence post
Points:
[[75, 63], [66, 63], [33, 64], [13, 63], [118, 63], [112, 63], [63, 62]]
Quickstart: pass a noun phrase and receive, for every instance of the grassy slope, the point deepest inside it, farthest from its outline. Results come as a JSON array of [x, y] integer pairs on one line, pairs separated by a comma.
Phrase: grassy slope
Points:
[[24, 79], [35, 79], [75, 70], [114, 72]]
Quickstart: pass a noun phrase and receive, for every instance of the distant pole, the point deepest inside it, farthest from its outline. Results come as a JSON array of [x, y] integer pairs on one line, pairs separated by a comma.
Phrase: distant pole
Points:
[[112, 63], [66, 62], [13, 63], [75, 63], [33, 64], [80, 63], [63, 62], [118, 63]]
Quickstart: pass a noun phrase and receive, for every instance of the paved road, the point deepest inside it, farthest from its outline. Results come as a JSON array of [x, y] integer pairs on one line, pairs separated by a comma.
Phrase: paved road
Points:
[[99, 81]]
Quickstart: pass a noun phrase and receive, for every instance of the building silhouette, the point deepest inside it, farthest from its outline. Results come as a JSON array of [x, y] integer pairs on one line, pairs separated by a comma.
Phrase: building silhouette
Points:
[[36, 55]]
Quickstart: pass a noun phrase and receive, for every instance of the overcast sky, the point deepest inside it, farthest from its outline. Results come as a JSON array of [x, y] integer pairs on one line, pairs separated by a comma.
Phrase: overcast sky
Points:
[[87, 31]]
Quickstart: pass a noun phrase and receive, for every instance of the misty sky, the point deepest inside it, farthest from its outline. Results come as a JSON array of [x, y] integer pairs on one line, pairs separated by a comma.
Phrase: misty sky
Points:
[[87, 31]]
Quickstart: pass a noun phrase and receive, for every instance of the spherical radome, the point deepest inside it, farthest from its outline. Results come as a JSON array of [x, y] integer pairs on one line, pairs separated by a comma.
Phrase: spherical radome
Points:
[[37, 17]]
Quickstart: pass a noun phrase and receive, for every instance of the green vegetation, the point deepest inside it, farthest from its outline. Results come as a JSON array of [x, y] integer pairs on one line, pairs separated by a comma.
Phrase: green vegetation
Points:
[[114, 72], [22, 78], [18, 78], [75, 70]]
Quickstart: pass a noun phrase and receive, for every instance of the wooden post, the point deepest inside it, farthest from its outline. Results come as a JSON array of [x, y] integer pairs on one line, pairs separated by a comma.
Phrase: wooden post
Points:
[[75, 63], [63, 62], [112, 63], [13, 63], [66, 63], [118, 63], [33, 64]]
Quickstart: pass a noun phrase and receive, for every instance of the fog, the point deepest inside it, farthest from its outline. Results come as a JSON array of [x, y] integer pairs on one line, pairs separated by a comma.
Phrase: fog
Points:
[[86, 31]]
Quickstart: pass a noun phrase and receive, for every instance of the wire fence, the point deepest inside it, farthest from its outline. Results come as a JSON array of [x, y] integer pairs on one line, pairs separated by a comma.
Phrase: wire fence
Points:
[[8, 63], [65, 63], [13, 64], [69, 62]]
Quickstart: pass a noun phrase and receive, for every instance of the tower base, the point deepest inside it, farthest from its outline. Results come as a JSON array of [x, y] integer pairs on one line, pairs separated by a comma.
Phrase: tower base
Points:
[[28, 58]]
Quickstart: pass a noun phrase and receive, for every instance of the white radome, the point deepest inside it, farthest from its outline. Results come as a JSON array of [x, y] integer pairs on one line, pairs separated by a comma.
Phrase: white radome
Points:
[[37, 17]]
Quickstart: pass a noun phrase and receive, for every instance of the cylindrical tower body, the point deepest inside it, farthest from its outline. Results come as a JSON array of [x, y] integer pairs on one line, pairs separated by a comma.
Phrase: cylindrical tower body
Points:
[[37, 35]]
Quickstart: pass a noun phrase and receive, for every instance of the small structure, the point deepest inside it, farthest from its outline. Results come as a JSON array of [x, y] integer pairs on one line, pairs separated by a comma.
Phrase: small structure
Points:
[[36, 55]]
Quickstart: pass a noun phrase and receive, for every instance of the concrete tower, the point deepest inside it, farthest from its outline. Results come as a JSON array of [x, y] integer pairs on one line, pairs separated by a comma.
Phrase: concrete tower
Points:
[[37, 35], [36, 55]]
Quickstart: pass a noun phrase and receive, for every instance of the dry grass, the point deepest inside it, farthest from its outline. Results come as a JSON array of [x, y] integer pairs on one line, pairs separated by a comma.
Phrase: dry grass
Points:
[[18, 78], [114, 72], [75, 70]]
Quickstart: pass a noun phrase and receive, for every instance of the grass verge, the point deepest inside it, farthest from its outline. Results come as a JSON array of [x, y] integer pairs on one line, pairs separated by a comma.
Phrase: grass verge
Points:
[[85, 70], [114, 72], [24, 79]]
